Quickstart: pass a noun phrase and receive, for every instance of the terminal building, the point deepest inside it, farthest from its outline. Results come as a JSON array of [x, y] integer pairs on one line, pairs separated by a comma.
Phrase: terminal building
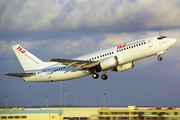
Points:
[[92, 113]]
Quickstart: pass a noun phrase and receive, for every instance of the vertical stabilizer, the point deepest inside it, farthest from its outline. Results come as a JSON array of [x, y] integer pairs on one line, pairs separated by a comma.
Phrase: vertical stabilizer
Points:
[[27, 60]]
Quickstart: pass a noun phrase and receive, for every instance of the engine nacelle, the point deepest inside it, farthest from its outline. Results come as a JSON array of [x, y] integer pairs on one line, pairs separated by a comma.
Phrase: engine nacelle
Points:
[[109, 63], [124, 67]]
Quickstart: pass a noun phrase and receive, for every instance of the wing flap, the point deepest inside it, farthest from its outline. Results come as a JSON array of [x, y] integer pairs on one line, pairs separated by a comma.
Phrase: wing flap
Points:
[[78, 64], [20, 74]]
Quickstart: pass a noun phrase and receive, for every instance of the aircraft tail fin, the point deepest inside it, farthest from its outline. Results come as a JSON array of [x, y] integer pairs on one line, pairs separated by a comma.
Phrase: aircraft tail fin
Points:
[[28, 61]]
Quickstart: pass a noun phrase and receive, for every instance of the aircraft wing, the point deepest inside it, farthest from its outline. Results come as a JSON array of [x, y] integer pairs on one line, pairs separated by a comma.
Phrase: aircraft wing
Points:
[[20, 74], [79, 64]]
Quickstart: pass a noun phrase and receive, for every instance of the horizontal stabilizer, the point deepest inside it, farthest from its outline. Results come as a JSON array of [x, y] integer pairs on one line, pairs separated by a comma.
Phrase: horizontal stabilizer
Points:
[[20, 74]]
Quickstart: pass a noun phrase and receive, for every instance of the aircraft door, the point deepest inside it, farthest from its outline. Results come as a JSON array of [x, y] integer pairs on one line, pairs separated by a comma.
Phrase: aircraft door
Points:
[[49, 74], [149, 41]]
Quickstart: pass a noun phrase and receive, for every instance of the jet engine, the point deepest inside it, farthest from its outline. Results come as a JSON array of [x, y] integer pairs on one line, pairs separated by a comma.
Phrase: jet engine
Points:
[[124, 67], [109, 63]]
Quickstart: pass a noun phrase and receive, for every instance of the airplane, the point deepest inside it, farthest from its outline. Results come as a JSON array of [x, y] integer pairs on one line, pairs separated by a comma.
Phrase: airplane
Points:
[[119, 58]]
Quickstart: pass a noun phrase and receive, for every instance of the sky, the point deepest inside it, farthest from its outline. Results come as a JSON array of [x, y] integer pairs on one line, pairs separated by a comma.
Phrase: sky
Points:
[[71, 28]]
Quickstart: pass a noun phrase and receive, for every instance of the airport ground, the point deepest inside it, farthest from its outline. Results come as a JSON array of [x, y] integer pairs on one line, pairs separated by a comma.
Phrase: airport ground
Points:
[[91, 113]]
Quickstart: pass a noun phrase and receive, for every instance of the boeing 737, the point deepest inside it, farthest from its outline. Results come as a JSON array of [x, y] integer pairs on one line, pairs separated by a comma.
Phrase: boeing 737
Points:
[[119, 58]]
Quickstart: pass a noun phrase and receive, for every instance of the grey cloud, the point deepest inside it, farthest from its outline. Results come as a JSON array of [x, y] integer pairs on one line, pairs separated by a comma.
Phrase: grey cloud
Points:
[[101, 16]]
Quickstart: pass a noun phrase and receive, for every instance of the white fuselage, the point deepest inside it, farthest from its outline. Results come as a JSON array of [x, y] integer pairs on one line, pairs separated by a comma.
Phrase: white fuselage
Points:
[[126, 52]]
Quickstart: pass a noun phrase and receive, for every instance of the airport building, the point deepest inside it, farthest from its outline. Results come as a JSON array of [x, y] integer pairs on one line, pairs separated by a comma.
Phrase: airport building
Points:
[[92, 113]]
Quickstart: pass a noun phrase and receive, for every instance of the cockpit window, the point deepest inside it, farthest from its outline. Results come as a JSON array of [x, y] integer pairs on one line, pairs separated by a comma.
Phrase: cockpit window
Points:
[[161, 37]]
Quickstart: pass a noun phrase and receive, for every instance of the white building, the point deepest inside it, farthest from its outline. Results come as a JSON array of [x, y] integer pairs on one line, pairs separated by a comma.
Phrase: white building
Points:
[[91, 113]]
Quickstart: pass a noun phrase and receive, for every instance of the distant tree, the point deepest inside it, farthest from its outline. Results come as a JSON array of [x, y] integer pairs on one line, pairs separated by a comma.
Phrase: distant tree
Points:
[[139, 116], [159, 115]]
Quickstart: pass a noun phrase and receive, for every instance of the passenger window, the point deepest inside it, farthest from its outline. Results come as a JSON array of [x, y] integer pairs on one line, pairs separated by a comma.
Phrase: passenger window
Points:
[[112, 52], [144, 42], [17, 117], [129, 47], [117, 51], [3, 117], [97, 56], [124, 48], [134, 45], [10, 117], [107, 53], [90, 59], [23, 117], [137, 45], [103, 55], [94, 57]]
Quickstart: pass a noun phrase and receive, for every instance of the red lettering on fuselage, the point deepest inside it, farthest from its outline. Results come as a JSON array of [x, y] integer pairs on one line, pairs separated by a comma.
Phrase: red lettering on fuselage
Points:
[[121, 46], [20, 49]]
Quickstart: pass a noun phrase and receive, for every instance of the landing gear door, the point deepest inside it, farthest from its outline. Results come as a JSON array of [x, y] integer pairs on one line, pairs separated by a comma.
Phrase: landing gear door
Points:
[[149, 41]]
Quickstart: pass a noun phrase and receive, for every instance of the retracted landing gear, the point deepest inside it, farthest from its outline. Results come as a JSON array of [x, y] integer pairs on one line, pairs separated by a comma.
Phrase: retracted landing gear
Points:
[[159, 58]]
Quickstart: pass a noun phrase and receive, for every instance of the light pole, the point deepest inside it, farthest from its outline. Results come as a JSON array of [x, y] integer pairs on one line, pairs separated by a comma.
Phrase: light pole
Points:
[[65, 91], [104, 100], [77, 99], [61, 99], [6, 101], [47, 101]]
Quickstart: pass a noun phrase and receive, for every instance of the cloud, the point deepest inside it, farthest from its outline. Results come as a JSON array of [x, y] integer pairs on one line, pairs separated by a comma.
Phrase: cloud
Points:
[[166, 16], [101, 16], [113, 39], [5, 47], [70, 48], [55, 47]]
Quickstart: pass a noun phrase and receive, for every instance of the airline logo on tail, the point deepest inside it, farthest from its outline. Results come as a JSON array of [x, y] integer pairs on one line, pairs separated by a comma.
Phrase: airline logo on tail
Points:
[[21, 50]]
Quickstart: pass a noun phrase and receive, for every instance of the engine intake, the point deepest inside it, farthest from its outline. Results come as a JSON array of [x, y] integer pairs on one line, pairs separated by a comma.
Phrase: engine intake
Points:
[[109, 63]]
